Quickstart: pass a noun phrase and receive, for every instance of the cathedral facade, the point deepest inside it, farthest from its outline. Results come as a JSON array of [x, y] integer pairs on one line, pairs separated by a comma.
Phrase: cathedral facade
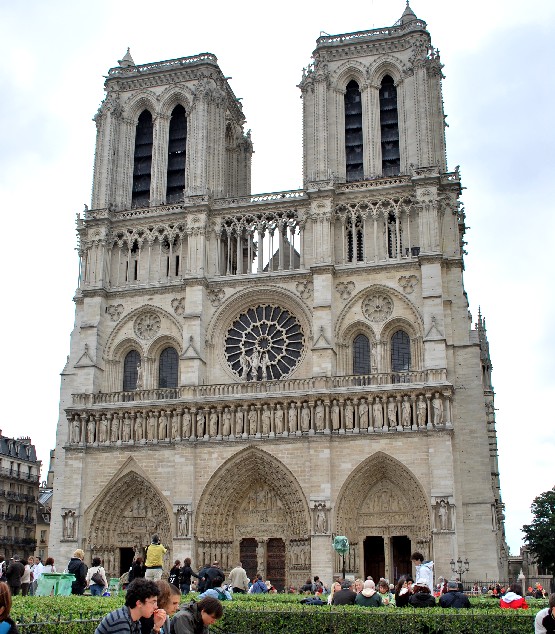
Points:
[[252, 375]]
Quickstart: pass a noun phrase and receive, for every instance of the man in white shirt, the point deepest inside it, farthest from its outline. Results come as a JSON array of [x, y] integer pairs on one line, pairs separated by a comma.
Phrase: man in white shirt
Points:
[[37, 571]]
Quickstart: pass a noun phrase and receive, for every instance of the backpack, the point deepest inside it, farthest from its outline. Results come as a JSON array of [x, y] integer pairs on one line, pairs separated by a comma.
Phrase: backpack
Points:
[[221, 594], [97, 578]]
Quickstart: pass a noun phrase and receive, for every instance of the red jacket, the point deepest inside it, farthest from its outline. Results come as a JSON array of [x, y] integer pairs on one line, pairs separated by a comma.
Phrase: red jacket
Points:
[[513, 601]]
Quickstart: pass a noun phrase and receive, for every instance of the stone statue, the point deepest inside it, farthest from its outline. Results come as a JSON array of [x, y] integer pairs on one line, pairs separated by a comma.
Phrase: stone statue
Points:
[[377, 413], [139, 385], [363, 414], [255, 363], [264, 364], [213, 423], [305, 418], [349, 415], [186, 423], [151, 429], [392, 412], [239, 416], [115, 428], [200, 424], [162, 426], [226, 431], [103, 432], [253, 419], [443, 514], [437, 406], [76, 430], [69, 525], [139, 429], [245, 365], [321, 524], [335, 421], [175, 425], [182, 522], [405, 412], [319, 414], [126, 435], [292, 418], [421, 411], [90, 431], [266, 419], [278, 419]]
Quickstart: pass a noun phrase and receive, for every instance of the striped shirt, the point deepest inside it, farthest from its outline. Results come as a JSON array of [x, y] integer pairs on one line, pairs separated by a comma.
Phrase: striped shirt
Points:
[[119, 622]]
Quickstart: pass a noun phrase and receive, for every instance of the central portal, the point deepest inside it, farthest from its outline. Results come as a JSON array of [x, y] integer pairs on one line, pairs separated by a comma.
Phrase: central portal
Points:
[[247, 554], [275, 567], [374, 557]]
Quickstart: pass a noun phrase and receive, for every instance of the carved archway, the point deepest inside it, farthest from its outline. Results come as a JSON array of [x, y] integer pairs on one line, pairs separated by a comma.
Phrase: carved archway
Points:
[[126, 514]]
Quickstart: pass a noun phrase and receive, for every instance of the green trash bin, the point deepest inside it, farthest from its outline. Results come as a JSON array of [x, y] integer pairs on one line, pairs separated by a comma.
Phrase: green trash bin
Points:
[[54, 583]]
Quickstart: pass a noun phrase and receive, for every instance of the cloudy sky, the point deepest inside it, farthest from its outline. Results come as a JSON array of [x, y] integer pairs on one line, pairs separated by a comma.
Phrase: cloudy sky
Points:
[[498, 92]]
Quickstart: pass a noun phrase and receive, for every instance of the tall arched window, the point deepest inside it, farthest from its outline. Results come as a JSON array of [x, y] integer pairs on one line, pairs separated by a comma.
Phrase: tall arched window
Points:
[[169, 368], [400, 352], [176, 155], [361, 355], [389, 124], [355, 239], [132, 360], [142, 160], [353, 132]]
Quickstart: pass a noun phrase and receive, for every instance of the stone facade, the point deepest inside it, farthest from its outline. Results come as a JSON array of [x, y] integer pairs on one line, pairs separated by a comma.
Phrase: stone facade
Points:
[[250, 375]]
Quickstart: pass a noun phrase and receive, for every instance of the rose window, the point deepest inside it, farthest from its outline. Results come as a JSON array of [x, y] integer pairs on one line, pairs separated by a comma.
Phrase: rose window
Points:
[[264, 343], [147, 325], [377, 307]]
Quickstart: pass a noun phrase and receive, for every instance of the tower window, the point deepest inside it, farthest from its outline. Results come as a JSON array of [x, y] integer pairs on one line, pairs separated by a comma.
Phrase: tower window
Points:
[[142, 161], [353, 132], [389, 127], [132, 360], [355, 240], [400, 352], [361, 355], [169, 368], [176, 155]]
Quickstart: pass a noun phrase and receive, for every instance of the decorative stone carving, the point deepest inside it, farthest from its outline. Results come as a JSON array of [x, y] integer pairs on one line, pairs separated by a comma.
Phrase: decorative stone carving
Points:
[[345, 289], [443, 515], [178, 305], [377, 307], [115, 311], [68, 524], [216, 296], [305, 289], [408, 283], [147, 325], [321, 523], [183, 521]]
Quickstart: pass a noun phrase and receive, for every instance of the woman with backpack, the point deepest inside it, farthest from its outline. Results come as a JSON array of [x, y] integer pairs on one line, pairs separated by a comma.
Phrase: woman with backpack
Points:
[[96, 578]]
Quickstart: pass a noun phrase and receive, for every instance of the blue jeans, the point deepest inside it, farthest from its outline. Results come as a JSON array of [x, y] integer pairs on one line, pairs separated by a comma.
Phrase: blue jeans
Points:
[[96, 590], [185, 588]]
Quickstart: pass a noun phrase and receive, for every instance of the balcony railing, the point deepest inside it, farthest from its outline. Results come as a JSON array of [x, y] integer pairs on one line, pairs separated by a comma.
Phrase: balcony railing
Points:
[[19, 475]]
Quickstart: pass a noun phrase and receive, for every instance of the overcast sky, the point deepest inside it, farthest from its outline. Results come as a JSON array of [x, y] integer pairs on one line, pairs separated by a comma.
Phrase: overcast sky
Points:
[[498, 92]]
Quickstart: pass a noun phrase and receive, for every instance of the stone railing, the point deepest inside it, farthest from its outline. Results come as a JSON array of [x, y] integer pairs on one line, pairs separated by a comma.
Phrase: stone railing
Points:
[[201, 58], [343, 411], [275, 197], [19, 475], [372, 34], [322, 384]]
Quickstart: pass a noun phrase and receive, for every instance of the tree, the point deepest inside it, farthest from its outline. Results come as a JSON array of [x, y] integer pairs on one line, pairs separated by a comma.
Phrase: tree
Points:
[[540, 534]]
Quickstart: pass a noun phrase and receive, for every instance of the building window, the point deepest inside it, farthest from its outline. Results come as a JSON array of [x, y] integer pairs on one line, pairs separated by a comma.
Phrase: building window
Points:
[[361, 355], [355, 239], [400, 352], [176, 155], [142, 161], [389, 125], [130, 372], [353, 132], [169, 368]]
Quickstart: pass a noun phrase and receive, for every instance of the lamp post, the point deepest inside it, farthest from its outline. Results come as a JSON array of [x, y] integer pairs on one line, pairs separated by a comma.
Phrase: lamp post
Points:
[[459, 567]]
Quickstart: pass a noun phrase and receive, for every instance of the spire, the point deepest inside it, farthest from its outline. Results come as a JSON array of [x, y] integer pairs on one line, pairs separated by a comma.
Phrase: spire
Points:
[[408, 15], [127, 60]]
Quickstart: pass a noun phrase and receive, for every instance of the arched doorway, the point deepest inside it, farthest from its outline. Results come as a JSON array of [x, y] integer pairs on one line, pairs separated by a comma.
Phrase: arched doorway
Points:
[[253, 510], [383, 510], [123, 519]]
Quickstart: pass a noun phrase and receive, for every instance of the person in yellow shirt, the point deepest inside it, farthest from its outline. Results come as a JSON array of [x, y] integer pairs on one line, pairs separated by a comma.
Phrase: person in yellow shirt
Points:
[[154, 559]]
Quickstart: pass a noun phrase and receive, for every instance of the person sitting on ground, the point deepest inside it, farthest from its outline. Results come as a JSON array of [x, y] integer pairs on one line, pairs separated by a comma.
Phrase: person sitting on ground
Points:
[[5, 607], [539, 592], [307, 587], [78, 567], [513, 598], [359, 585], [220, 593], [368, 597], [194, 618], [453, 598], [258, 587], [168, 600], [421, 596], [140, 601], [545, 619], [384, 592], [345, 596], [99, 582], [403, 591], [335, 587]]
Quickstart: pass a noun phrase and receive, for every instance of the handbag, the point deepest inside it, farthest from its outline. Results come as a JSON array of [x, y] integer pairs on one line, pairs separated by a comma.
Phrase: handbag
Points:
[[97, 578]]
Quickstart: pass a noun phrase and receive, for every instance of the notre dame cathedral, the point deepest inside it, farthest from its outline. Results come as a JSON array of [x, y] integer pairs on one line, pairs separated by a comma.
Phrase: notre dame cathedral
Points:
[[251, 375]]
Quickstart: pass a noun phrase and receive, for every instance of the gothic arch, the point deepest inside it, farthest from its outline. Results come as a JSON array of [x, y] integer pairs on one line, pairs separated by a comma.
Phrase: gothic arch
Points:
[[144, 100], [378, 473], [386, 65], [229, 487], [350, 70], [172, 97]]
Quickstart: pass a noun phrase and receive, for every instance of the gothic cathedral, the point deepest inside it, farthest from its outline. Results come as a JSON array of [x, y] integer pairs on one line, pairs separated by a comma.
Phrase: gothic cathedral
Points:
[[252, 375]]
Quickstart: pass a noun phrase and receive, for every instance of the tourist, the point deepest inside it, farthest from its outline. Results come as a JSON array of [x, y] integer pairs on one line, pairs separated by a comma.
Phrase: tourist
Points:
[[174, 573], [154, 559], [539, 591], [185, 575], [345, 596], [453, 598], [513, 598], [335, 587], [96, 578], [421, 596], [168, 600], [140, 601], [137, 570], [202, 578], [545, 619], [37, 569], [214, 576], [26, 578], [307, 587], [424, 570], [368, 597], [238, 579], [14, 574], [195, 618], [49, 565], [219, 593], [258, 587], [5, 607], [359, 585], [385, 593], [78, 567], [318, 584], [403, 591]]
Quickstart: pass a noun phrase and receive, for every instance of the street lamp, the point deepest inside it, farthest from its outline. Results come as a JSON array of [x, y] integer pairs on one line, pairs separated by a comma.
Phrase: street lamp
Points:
[[459, 567]]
